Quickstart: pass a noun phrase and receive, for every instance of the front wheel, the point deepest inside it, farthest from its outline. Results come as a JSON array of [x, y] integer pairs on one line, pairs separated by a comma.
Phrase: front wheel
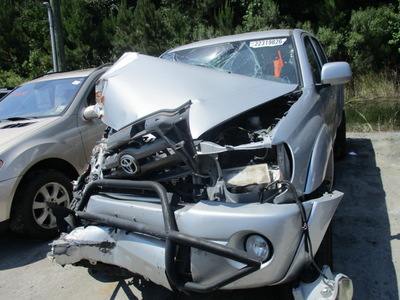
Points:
[[30, 214]]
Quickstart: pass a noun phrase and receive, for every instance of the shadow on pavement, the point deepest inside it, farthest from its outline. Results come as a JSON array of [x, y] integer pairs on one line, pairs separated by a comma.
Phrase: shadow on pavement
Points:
[[150, 290], [361, 228], [17, 252]]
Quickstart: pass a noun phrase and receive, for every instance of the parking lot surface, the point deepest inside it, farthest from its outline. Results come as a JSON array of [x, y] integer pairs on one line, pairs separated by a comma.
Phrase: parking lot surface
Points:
[[366, 240]]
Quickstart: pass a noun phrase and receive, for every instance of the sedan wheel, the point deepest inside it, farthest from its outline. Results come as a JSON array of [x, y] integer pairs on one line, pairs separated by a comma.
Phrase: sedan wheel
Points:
[[30, 214], [53, 192]]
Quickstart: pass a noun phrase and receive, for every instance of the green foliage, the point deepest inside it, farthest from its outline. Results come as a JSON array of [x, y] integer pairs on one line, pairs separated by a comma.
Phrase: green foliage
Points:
[[367, 39], [176, 27], [307, 26], [333, 42], [7, 33], [395, 24], [373, 85], [263, 15], [147, 27], [364, 33], [118, 28], [224, 19], [33, 38], [10, 79], [373, 102], [202, 32], [85, 45], [38, 63], [330, 15]]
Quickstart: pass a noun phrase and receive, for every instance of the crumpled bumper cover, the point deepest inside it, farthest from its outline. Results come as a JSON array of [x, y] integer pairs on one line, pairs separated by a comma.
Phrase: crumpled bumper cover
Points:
[[328, 286], [147, 239]]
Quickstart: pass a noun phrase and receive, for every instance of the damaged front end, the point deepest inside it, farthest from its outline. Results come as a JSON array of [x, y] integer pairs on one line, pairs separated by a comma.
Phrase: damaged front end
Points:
[[196, 211]]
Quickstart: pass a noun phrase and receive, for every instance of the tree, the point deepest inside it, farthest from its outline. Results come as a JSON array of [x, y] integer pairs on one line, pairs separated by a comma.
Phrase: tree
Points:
[[85, 45], [24, 41], [395, 24], [263, 15], [176, 27], [147, 28], [224, 19], [8, 45], [32, 28], [119, 28], [364, 32], [333, 42], [367, 39]]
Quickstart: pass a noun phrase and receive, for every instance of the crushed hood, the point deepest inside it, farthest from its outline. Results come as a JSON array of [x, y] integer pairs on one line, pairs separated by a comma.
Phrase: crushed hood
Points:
[[139, 85]]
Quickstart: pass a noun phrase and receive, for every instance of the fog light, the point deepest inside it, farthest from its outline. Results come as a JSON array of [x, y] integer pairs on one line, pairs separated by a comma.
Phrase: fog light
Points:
[[258, 245]]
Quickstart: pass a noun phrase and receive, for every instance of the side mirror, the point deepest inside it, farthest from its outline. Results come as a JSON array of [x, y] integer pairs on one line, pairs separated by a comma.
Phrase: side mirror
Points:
[[90, 113], [336, 73]]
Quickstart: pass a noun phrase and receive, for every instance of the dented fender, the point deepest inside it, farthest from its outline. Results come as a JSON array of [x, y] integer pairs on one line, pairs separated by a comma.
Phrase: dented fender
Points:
[[319, 160]]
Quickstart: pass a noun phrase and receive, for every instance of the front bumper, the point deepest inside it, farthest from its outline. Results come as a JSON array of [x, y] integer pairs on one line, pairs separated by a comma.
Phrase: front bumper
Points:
[[7, 190], [198, 247]]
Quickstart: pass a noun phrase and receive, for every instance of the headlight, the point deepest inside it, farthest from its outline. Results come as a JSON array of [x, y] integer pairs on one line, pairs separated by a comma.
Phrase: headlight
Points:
[[258, 245]]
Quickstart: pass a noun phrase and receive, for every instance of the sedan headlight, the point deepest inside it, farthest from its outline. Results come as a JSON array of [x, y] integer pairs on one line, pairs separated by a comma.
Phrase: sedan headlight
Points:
[[258, 245]]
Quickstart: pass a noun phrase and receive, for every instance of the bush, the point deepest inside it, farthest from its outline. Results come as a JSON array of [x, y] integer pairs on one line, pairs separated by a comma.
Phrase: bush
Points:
[[367, 41], [10, 79]]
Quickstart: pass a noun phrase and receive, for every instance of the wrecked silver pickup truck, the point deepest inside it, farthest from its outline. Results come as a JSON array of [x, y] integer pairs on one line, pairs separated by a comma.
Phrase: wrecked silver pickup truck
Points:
[[217, 168]]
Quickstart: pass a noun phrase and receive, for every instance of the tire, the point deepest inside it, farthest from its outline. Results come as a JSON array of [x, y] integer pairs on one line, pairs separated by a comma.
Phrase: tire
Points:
[[30, 215], [340, 141]]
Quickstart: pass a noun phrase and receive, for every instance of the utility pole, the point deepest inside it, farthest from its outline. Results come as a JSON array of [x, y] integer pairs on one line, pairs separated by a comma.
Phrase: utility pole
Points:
[[53, 42], [57, 41], [58, 34]]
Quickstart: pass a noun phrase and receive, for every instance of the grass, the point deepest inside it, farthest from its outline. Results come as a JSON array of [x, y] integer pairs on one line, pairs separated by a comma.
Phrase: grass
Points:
[[384, 85], [373, 102]]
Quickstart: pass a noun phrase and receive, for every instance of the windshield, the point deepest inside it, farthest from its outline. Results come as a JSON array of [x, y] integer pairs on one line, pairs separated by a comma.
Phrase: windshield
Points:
[[40, 99], [270, 59]]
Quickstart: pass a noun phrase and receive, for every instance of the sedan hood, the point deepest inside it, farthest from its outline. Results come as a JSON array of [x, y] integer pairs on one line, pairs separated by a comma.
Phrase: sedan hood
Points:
[[139, 85], [14, 132]]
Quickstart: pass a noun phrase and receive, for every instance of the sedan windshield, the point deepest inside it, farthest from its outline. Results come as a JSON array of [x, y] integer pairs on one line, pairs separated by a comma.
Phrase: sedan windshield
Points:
[[40, 99], [269, 59]]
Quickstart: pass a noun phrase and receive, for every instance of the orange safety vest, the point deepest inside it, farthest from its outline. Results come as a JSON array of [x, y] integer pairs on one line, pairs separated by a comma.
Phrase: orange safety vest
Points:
[[278, 64]]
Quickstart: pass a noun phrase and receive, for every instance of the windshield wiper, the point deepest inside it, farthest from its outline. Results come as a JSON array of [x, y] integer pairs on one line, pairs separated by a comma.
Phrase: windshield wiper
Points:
[[20, 118]]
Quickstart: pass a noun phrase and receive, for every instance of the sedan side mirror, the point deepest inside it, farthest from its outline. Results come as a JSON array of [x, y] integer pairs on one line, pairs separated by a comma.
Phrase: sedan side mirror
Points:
[[336, 73], [90, 113]]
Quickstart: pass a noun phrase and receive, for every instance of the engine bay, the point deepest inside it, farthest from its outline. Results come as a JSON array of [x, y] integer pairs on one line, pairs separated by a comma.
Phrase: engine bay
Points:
[[232, 162]]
